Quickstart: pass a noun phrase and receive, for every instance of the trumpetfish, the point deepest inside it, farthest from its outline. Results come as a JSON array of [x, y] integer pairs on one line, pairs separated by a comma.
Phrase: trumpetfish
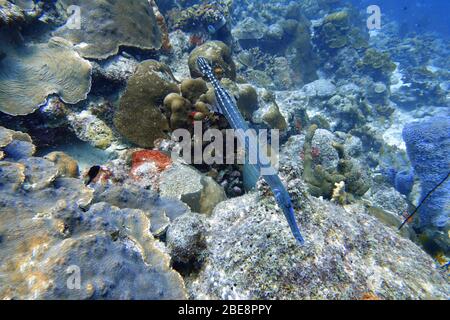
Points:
[[228, 108]]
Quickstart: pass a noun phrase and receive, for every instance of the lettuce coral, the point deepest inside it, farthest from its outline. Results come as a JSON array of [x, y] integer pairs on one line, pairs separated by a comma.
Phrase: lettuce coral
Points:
[[107, 25], [29, 74]]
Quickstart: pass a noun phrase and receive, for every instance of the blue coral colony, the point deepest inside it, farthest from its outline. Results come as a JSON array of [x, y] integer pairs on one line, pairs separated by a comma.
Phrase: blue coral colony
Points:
[[97, 101]]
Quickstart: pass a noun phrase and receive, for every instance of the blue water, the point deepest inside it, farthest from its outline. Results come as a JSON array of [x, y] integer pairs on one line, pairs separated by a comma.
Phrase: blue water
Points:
[[414, 16]]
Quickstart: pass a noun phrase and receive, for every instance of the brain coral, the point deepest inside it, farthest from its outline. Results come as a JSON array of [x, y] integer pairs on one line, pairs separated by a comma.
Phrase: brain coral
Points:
[[139, 118], [29, 74], [219, 54], [428, 146], [107, 25]]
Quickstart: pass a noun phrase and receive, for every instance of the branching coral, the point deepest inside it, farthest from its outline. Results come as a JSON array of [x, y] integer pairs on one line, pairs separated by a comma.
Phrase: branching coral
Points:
[[379, 63], [322, 178], [337, 31]]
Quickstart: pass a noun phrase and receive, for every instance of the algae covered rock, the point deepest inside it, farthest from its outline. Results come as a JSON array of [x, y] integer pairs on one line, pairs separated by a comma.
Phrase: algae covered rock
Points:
[[186, 239], [15, 145], [249, 29], [274, 118], [247, 101], [326, 154], [199, 192], [105, 26], [252, 255], [388, 205], [89, 128], [20, 147], [139, 117], [10, 14], [29, 74], [219, 55]]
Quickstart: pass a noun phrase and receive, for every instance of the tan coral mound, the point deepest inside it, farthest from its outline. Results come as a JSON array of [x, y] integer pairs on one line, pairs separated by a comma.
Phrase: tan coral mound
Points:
[[219, 55], [139, 117], [28, 75], [108, 25], [67, 166]]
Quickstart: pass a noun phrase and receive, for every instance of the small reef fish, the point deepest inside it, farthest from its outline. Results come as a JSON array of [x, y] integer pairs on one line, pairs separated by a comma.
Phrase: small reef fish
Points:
[[228, 108], [92, 174]]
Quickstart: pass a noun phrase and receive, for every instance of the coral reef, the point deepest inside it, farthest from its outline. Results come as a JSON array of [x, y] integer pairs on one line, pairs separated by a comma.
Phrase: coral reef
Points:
[[210, 17], [337, 30], [192, 89], [379, 63], [179, 108], [97, 196]]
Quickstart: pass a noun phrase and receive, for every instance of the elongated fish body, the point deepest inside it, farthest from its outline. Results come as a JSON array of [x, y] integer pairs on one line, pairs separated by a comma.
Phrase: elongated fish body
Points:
[[229, 109]]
